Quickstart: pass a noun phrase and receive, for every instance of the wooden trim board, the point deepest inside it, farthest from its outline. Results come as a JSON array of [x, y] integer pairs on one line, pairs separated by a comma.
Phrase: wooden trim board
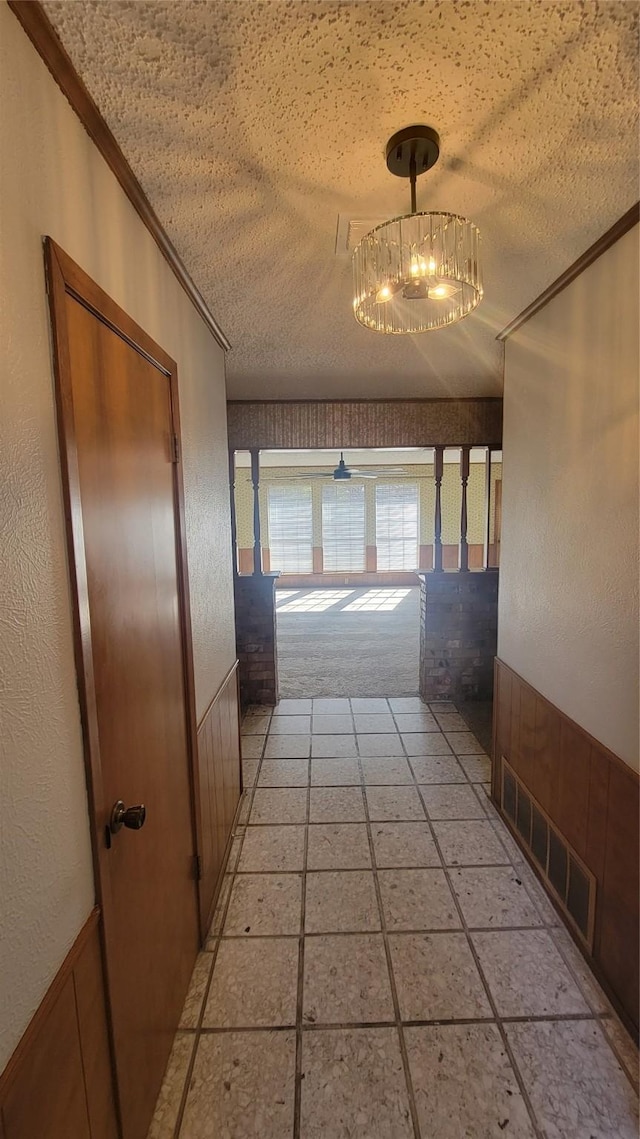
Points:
[[39, 29], [617, 230], [592, 798], [59, 1081]]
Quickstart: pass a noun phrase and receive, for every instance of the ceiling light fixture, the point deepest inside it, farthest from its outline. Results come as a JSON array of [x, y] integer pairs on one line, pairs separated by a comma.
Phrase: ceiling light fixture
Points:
[[420, 271]]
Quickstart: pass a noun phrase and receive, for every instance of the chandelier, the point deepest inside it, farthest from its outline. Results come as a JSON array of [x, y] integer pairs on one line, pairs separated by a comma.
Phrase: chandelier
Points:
[[419, 271]]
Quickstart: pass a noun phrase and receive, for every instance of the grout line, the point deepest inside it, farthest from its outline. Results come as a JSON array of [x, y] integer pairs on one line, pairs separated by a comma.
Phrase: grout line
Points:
[[334, 1025], [392, 981], [297, 1094]]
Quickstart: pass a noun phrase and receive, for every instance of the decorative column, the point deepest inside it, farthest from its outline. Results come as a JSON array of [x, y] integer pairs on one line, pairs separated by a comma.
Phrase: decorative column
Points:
[[438, 468], [234, 526], [257, 538], [464, 477]]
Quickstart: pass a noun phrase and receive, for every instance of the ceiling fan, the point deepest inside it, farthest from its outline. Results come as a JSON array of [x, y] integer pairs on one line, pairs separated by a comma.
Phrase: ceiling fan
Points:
[[342, 472]]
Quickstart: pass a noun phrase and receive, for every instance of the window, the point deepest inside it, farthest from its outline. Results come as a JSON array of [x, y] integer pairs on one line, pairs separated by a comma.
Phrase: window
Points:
[[290, 529], [397, 527], [343, 528]]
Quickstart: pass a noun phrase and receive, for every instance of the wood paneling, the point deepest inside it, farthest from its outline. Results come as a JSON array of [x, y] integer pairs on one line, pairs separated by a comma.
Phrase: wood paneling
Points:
[[592, 798], [618, 229], [43, 37], [219, 788], [364, 423], [58, 1084]]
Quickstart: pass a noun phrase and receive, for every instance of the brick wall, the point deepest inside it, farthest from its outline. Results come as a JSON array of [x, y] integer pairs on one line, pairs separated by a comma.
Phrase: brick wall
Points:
[[458, 635], [256, 638]]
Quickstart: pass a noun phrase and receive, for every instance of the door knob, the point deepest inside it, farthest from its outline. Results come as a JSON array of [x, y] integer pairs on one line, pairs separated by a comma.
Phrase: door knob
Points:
[[131, 817]]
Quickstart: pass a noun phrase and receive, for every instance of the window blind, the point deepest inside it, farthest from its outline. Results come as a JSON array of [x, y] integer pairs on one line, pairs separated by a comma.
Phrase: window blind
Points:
[[343, 528], [397, 526], [290, 529]]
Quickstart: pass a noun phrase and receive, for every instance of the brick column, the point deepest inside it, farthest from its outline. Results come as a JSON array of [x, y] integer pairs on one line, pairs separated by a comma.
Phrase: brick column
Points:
[[458, 635], [255, 598]]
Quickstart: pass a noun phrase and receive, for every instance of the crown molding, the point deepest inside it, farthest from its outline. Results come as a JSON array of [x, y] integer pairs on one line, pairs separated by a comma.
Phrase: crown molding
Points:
[[40, 31]]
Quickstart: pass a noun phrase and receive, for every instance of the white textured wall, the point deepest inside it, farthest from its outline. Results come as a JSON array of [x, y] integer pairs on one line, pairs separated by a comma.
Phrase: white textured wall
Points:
[[53, 181], [568, 620]]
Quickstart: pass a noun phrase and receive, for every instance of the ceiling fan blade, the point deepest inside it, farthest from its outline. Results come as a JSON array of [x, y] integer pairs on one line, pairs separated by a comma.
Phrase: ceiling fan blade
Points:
[[287, 478]]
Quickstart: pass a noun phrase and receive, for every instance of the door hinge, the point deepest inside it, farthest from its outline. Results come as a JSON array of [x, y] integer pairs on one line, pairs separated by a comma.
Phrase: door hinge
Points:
[[175, 448], [197, 867]]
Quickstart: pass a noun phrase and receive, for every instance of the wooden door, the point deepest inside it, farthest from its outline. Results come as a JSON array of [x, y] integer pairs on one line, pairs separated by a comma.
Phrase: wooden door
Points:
[[117, 405]]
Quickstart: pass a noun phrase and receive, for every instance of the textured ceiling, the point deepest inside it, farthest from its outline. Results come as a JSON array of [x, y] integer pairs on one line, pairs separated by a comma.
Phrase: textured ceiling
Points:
[[253, 125]]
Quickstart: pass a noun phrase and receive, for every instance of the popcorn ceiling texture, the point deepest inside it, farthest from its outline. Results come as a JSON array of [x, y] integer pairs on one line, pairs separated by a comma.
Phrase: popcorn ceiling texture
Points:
[[253, 125]]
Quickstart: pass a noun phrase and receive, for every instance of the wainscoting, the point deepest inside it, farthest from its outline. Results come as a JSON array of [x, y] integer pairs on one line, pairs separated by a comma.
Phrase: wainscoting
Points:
[[591, 798], [58, 1083], [219, 788]]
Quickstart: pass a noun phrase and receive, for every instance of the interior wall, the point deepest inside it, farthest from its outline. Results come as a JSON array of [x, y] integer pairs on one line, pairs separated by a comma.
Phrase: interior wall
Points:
[[54, 181], [568, 616]]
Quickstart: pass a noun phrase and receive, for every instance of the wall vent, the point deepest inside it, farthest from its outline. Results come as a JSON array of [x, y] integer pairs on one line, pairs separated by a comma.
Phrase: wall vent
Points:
[[350, 232], [569, 880]]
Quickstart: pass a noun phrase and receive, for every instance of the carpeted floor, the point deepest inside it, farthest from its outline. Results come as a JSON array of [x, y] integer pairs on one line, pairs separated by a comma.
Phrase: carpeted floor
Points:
[[364, 642]]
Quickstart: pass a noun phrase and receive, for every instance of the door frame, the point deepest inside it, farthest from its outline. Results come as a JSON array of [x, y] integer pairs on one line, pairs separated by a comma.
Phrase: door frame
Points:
[[65, 278]]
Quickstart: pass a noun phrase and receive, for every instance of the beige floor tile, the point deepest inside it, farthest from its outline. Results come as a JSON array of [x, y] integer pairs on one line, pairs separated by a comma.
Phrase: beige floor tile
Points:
[[379, 744], [417, 900], [255, 725], [338, 846], [223, 897], [336, 805], [288, 747], [168, 1104], [264, 904], [437, 769], [378, 705], [242, 1086], [346, 980], [587, 983], [354, 1085], [455, 801], [332, 724], [493, 896], [276, 849], [300, 707], [282, 805], [626, 1049], [477, 767], [469, 843], [576, 1086], [464, 1085], [425, 743], [436, 977], [442, 707], [197, 987], [404, 844], [335, 772], [526, 974], [550, 915], [252, 746], [416, 722], [464, 743], [394, 804], [290, 725], [254, 984], [451, 722], [333, 747], [373, 722], [404, 704], [341, 901], [249, 772], [331, 705], [284, 773], [390, 769]]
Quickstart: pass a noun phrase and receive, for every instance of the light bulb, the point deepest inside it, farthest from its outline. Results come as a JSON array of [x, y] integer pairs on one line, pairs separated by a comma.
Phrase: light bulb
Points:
[[383, 294], [442, 291]]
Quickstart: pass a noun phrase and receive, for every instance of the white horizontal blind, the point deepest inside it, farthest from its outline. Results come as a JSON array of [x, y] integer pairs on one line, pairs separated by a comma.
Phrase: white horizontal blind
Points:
[[343, 528], [290, 529], [397, 526]]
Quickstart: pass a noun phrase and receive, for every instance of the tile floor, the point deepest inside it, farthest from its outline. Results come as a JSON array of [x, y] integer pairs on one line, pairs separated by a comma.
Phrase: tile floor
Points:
[[382, 963]]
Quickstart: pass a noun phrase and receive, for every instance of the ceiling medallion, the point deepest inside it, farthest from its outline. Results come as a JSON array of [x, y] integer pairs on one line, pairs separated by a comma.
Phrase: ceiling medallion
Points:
[[420, 271]]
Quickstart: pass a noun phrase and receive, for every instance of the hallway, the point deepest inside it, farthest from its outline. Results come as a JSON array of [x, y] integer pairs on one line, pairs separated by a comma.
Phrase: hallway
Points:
[[382, 963]]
